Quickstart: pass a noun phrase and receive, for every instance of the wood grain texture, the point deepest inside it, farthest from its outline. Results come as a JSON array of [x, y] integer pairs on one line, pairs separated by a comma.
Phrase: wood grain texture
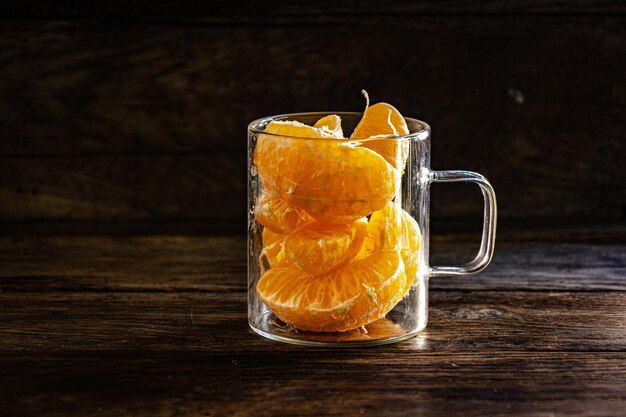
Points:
[[178, 263], [192, 186], [156, 325], [123, 264], [193, 9], [298, 382], [217, 322], [94, 123], [536, 266]]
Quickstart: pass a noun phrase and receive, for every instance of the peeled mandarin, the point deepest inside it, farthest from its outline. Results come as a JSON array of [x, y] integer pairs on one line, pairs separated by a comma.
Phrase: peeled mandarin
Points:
[[332, 180], [319, 248], [410, 248], [378, 122], [273, 213], [330, 124], [379, 329], [393, 228], [350, 297], [383, 231], [274, 249]]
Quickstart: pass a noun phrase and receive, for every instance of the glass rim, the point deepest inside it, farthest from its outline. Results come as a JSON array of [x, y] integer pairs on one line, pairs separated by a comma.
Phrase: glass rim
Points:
[[253, 126]]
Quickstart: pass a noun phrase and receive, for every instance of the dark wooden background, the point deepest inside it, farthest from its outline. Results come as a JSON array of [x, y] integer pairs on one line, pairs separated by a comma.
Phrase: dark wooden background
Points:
[[131, 113]]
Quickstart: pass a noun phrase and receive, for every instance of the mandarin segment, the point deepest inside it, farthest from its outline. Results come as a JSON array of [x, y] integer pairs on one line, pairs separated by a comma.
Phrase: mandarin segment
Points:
[[274, 249], [315, 248], [410, 247], [355, 295], [293, 128], [392, 228], [331, 124], [382, 120], [273, 213], [379, 329], [332, 180], [395, 151], [383, 231], [318, 248]]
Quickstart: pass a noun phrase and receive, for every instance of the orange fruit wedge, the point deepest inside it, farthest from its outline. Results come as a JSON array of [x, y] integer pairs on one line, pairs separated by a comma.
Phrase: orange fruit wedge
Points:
[[379, 329], [410, 244], [393, 228], [330, 124], [319, 248], [379, 121], [316, 248], [273, 213], [332, 180], [274, 249], [384, 231], [350, 297]]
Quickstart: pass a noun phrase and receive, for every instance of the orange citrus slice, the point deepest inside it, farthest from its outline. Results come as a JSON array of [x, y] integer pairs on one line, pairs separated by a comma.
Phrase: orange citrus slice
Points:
[[274, 249], [332, 180], [316, 248], [319, 248], [382, 120], [273, 213], [379, 329], [392, 228], [331, 124], [355, 295], [410, 248]]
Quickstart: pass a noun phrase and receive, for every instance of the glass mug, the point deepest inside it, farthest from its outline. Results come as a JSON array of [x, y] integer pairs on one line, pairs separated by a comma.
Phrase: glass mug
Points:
[[338, 234]]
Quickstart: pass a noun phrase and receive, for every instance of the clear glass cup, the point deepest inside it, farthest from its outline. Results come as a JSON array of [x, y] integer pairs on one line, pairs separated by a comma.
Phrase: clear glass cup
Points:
[[338, 234]]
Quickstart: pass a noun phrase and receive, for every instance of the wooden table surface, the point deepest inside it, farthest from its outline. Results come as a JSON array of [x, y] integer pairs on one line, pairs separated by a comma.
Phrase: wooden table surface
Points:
[[155, 325]]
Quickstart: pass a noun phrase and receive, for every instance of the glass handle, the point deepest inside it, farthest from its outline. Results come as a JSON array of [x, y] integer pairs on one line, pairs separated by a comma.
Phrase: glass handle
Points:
[[487, 243]]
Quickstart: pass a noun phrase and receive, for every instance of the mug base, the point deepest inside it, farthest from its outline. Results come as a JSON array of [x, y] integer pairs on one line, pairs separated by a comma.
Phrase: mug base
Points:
[[380, 332]]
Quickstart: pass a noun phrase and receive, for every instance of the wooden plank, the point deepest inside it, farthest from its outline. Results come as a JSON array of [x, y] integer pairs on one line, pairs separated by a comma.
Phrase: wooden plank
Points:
[[164, 91], [91, 97], [302, 382], [193, 9], [199, 263], [121, 264], [536, 267], [217, 322], [199, 186]]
